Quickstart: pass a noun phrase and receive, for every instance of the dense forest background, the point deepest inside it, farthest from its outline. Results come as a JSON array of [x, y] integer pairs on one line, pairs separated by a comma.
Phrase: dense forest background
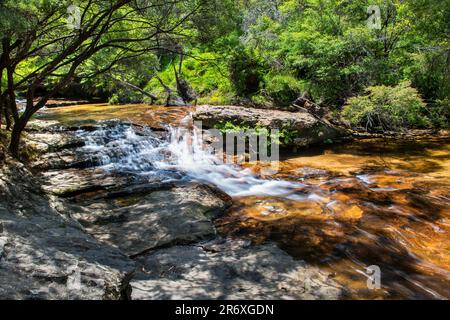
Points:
[[264, 53]]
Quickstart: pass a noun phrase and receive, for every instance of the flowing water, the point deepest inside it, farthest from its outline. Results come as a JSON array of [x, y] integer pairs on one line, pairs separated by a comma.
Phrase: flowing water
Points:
[[342, 208]]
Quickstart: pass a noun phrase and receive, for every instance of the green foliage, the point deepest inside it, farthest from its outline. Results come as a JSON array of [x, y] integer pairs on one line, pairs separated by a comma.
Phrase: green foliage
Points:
[[439, 113], [284, 136], [229, 127], [282, 89], [19, 16], [205, 72], [263, 52], [287, 135], [326, 49], [114, 99], [430, 73], [387, 108], [246, 72]]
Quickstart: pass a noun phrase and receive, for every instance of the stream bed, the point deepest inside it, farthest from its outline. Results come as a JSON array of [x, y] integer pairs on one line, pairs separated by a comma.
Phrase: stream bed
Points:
[[340, 207]]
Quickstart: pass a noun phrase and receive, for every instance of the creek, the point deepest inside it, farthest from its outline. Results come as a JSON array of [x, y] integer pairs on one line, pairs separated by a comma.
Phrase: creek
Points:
[[341, 207]]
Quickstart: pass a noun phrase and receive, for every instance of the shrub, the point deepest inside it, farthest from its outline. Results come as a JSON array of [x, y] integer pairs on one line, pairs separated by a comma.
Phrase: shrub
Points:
[[114, 99], [282, 89], [217, 97], [246, 73], [261, 100], [387, 108], [285, 136], [429, 73], [439, 113], [126, 96]]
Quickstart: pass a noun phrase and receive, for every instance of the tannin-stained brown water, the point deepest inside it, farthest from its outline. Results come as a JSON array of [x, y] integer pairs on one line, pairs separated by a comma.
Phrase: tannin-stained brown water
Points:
[[370, 202], [140, 114]]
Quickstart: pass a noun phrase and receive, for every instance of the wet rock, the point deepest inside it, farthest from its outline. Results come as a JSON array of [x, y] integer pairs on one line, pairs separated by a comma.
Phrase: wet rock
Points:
[[305, 128], [176, 101], [41, 125], [144, 222], [45, 142], [65, 160], [230, 271], [100, 183], [345, 210], [72, 182], [136, 190], [46, 255]]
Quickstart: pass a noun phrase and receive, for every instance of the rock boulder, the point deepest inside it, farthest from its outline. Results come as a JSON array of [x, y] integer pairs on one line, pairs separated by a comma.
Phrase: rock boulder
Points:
[[305, 128]]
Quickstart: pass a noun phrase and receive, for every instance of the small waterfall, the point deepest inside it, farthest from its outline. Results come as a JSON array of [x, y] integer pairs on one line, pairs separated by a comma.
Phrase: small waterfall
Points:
[[121, 148], [189, 154]]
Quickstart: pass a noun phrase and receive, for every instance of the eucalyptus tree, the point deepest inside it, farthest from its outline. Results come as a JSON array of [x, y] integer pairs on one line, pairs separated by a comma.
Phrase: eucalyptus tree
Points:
[[42, 53]]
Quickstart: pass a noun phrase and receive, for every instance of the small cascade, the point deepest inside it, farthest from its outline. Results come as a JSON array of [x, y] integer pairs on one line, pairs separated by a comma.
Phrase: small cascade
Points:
[[121, 148], [188, 153]]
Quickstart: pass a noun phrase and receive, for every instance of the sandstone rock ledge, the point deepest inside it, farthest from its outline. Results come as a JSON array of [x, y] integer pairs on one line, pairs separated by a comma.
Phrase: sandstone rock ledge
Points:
[[229, 270], [46, 255], [306, 128], [135, 225]]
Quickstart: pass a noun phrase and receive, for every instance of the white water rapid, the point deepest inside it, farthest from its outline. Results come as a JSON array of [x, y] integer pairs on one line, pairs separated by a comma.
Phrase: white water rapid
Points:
[[121, 147]]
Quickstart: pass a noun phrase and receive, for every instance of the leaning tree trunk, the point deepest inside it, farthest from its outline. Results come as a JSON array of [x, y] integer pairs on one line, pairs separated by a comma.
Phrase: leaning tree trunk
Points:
[[167, 89], [16, 133], [184, 90], [8, 121], [11, 94], [1, 107], [136, 88]]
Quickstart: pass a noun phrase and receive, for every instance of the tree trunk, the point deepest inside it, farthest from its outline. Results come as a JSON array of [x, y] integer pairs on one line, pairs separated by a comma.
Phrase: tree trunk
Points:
[[12, 95], [2, 102], [16, 136], [136, 88], [167, 89], [184, 90], [19, 125], [7, 115]]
